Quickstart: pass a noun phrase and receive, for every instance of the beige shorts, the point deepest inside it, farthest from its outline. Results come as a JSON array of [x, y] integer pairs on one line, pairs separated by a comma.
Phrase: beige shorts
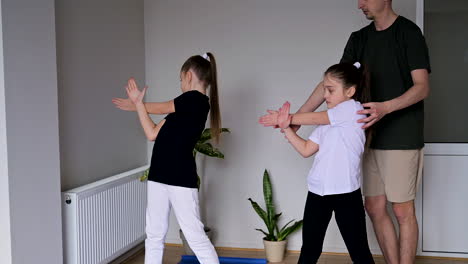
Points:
[[394, 173]]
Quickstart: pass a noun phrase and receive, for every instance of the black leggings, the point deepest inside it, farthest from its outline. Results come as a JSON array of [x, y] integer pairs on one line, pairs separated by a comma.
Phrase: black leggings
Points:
[[351, 220]]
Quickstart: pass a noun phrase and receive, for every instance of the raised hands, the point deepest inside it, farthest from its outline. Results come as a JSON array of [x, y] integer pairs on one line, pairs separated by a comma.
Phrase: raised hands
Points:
[[124, 104], [135, 95], [271, 119], [284, 118], [280, 118]]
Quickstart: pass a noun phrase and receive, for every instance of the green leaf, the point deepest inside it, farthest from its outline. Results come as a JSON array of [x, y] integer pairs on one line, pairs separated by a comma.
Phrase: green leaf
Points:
[[268, 237], [268, 196], [277, 216], [259, 211], [206, 134], [206, 148], [287, 231], [270, 217], [265, 233], [277, 232], [209, 150], [286, 225], [275, 220], [144, 177]]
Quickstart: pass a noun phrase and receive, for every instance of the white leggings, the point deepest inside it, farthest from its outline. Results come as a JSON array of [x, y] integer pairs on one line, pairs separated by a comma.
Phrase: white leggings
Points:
[[185, 203]]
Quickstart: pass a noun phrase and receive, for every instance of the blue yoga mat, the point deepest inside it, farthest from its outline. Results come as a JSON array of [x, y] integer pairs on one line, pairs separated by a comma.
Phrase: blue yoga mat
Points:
[[224, 260]]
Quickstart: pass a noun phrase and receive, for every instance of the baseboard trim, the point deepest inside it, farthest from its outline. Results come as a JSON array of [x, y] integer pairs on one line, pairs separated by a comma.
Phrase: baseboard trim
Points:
[[261, 249], [129, 254], [135, 251], [324, 253], [441, 258]]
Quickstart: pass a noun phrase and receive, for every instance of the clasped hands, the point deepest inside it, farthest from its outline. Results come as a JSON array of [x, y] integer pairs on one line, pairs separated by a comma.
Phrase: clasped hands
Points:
[[277, 119]]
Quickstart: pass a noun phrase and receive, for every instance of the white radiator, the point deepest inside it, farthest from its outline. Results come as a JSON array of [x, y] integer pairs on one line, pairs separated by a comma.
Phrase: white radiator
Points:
[[103, 220]]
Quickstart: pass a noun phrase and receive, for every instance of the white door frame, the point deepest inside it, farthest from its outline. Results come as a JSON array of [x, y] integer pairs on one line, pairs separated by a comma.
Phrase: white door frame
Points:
[[434, 149]]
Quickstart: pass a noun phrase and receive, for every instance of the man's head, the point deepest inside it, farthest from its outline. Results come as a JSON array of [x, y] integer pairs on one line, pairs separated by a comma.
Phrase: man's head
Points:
[[373, 8]]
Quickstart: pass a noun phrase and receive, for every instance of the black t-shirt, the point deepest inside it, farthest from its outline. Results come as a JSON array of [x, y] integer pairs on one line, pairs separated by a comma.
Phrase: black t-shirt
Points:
[[390, 55], [172, 161]]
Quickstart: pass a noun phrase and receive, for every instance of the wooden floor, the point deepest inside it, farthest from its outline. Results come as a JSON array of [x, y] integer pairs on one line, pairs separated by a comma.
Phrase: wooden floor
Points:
[[172, 256]]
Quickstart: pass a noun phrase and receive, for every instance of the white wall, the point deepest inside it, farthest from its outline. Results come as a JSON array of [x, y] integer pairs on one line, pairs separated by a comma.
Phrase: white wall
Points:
[[100, 44], [30, 103], [268, 52], [5, 232]]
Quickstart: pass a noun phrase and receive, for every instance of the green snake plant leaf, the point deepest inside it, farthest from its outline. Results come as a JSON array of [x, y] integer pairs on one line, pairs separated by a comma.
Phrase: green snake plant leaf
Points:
[[265, 233], [268, 196], [277, 216], [268, 237], [259, 211], [285, 226], [270, 217], [275, 220], [287, 231]]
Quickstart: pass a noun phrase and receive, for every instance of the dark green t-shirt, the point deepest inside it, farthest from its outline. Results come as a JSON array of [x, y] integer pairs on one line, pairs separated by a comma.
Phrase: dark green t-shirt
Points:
[[390, 55], [172, 161]]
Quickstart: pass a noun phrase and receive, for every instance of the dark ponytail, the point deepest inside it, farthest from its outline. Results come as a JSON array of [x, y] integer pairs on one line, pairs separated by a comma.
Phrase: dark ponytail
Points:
[[207, 73], [350, 76], [215, 115], [364, 95]]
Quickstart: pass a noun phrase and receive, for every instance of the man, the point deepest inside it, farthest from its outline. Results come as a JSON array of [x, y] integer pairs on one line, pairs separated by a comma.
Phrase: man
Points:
[[394, 51]]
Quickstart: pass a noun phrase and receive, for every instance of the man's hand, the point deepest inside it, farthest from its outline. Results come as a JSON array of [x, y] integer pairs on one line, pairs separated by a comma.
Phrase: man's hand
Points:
[[376, 111], [295, 128]]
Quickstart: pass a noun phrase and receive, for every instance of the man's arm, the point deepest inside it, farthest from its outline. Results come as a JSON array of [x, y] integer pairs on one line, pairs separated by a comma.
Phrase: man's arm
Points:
[[314, 100], [419, 91], [312, 103]]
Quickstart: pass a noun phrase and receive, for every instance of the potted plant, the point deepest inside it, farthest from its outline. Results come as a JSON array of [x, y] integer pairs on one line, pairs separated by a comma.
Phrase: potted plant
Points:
[[275, 238], [204, 147]]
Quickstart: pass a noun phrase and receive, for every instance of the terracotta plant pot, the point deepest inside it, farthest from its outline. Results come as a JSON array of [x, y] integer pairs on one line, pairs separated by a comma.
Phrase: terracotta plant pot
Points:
[[275, 250]]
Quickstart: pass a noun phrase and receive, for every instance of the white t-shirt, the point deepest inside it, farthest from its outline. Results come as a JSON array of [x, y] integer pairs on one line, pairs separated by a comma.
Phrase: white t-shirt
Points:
[[337, 164]]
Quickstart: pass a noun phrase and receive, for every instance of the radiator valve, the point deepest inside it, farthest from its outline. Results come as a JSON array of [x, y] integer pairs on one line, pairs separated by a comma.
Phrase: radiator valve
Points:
[[67, 199]]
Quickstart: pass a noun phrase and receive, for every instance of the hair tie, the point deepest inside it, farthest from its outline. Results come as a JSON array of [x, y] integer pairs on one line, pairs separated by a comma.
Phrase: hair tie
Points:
[[357, 64], [205, 56]]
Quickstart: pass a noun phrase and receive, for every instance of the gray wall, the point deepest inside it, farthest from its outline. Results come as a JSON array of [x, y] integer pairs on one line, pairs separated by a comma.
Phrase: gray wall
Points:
[[33, 177], [268, 52], [5, 234], [100, 44]]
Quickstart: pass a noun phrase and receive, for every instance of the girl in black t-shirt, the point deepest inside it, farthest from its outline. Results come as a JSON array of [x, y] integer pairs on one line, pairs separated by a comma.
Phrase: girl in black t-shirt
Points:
[[172, 180]]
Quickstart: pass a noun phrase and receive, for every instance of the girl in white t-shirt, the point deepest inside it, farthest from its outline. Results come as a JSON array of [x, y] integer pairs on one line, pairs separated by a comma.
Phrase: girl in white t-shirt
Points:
[[335, 178]]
